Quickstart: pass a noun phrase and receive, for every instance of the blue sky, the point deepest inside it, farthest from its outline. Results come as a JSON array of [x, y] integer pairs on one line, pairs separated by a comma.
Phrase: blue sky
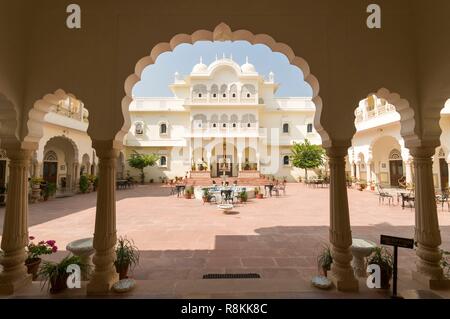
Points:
[[157, 77]]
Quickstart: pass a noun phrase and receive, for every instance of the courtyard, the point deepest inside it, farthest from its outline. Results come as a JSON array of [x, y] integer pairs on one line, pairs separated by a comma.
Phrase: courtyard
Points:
[[181, 240]]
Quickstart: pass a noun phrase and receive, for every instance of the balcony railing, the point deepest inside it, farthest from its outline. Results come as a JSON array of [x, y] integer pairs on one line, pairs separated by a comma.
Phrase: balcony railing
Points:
[[378, 111]]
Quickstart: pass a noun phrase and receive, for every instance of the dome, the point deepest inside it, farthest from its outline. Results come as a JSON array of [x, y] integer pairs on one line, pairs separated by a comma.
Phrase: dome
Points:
[[248, 67], [200, 67]]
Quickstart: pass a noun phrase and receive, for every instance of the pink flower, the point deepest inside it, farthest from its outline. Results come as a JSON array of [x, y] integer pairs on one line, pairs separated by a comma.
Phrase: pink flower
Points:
[[31, 237], [51, 243], [54, 249]]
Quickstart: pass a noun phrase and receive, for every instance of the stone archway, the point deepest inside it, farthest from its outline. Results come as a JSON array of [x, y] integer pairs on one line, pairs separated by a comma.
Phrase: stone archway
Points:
[[61, 165]]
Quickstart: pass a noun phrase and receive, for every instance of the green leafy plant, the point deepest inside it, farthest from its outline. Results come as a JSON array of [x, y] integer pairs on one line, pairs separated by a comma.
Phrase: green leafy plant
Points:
[[325, 259], [127, 256], [55, 275], [243, 196], [84, 184], [383, 258], [49, 190], [307, 156], [141, 161], [445, 263]]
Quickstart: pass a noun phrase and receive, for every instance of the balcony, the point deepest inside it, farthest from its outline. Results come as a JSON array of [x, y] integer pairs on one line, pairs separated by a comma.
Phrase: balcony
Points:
[[225, 130]]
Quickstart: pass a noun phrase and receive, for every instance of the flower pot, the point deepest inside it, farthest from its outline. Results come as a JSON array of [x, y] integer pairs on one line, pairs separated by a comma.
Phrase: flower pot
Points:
[[259, 196], [33, 266], [205, 199], [385, 279], [187, 196], [122, 271], [58, 284], [325, 270]]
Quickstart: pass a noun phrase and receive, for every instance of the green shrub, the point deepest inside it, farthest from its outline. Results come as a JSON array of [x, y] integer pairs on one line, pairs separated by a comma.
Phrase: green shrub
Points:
[[84, 184]]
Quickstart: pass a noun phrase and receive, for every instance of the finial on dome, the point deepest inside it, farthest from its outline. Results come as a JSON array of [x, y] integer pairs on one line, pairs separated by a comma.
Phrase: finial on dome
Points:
[[201, 60], [246, 59]]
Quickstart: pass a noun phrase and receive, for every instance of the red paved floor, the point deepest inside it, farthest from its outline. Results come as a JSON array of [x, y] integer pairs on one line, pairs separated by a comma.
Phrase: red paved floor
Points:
[[183, 239]]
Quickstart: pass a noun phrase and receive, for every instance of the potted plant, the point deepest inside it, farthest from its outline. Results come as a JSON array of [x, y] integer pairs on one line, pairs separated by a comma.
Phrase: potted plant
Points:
[[243, 196], [258, 193], [205, 196], [55, 274], [36, 188], [127, 256], [95, 182], [372, 186], [34, 251], [445, 263], [362, 185], [383, 258], [84, 184], [49, 190], [324, 260], [188, 192]]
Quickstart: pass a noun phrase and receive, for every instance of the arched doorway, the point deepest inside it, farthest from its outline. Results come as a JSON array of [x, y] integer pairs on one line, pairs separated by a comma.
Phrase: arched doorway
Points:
[[443, 169], [224, 160], [395, 167], [61, 165], [3, 166]]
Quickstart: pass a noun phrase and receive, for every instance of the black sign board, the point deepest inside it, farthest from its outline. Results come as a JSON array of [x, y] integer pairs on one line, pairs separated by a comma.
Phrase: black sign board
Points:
[[397, 241]]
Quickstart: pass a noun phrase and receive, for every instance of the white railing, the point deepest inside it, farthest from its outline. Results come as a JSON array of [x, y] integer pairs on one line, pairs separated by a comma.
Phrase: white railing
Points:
[[378, 111]]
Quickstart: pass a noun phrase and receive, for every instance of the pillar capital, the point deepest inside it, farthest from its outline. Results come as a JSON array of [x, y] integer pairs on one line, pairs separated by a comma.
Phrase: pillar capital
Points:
[[107, 149], [337, 151], [422, 152]]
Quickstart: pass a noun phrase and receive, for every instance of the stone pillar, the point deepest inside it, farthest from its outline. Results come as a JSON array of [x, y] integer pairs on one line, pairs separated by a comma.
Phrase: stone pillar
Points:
[[258, 162], [240, 162], [105, 237], [208, 159], [427, 233], [340, 233], [15, 227], [358, 170], [409, 173], [369, 171], [38, 167]]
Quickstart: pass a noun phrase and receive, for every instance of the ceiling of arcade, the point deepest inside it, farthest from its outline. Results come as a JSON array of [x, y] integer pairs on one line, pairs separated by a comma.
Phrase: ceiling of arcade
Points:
[[342, 59]]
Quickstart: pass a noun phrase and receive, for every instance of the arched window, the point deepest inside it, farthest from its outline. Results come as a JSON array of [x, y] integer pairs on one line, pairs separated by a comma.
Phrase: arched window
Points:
[[163, 161], [286, 160], [139, 128], [248, 91], [199, 120], [285, 127], [199, 90], [309, 128], [214, 91], [395, 155], [223, 90], [163, 128], [51, 156]]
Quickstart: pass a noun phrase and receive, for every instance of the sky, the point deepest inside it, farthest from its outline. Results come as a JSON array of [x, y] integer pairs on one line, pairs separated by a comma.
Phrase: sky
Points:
[[157, 77]]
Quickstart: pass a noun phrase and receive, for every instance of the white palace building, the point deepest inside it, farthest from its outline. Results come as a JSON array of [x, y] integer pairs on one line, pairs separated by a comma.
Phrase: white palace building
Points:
[[224, 119]]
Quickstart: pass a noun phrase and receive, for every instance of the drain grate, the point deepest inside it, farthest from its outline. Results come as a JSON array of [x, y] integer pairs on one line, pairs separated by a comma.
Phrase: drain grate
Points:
[[231, 276]]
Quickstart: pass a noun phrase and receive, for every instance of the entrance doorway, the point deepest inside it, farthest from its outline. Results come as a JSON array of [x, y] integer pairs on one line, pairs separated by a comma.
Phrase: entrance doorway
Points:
[[50, 172], [2, 173], [225, 166], [395, 171], [443, 168]]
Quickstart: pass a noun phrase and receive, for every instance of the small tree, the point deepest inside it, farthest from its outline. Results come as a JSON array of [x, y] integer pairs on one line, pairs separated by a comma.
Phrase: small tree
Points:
[[141, 161], [307, 156]]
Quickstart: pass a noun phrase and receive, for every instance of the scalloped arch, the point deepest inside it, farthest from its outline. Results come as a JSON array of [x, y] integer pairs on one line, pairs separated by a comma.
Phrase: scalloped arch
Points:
[[37, 114], [222, 32], [65, 139], [8, 121], [407, 121]]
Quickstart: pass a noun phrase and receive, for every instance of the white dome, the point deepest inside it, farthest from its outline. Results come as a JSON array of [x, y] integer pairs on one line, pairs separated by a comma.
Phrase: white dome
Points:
[[200, 67], [248, 67]]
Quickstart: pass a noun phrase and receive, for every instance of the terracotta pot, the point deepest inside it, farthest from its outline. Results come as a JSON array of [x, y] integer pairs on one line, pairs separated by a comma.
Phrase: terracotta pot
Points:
[[122, 271], [58, 284], [187, 196], [33, 267], [205, 199], [259, 196]]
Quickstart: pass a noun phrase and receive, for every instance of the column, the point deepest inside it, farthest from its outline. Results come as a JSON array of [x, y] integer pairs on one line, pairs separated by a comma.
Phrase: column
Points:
[[340, 233], [240, 161], [258, 162], [427, 233], [208, 159], [352, 169], [409, 174], [105, 237], [38, 169], [15, 227], [358, 170], [369, 171]]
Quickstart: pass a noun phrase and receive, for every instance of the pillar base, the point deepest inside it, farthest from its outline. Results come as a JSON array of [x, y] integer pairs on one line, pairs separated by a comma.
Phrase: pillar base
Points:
[[348, 285], [103, 287], [11, 288], [435, 284]]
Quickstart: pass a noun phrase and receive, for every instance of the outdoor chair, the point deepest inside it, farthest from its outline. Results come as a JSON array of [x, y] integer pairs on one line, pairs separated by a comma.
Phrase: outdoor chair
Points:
[[443, 198], [282, 187], [382, 194], [407, 198]]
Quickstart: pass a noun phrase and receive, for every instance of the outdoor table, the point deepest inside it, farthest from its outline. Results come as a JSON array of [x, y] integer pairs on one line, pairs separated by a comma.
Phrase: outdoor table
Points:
[[361, 248], [270, 187], [83, 248], [180, 189], [227, 193], [122, 183], [406, 197]]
